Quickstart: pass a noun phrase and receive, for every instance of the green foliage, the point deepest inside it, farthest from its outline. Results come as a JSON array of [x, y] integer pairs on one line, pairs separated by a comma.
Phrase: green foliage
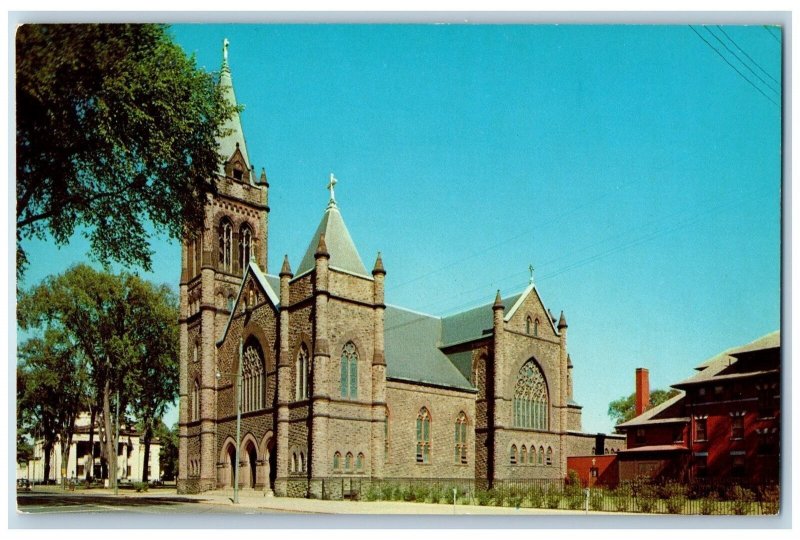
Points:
[[483, 497], [115, 127], [168, 456], [572, 485], [742, 499], [140, 486], [646, 504], [675, 504], [114, 335], [596, 500], [671, 490], [552, 499], [536, 497], [624, 408], [708, 504], [770, 497], [575, 502]]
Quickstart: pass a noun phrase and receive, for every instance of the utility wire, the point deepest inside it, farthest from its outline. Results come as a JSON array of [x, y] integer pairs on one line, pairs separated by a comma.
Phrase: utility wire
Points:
[[768, 85], [748, 56], [768, 31], [734, 67]]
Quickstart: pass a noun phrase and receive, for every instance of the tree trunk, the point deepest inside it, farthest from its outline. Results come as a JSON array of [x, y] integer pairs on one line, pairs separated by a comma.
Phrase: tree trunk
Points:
[[145, 469], [110, 440], [46, 449], [90, 467]]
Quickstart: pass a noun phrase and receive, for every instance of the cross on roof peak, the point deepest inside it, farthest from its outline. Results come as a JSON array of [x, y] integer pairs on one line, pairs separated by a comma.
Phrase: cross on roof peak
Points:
[[332, 183]]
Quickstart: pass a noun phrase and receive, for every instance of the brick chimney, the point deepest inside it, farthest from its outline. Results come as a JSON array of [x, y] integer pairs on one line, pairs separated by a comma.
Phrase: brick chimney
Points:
[[642, 390]]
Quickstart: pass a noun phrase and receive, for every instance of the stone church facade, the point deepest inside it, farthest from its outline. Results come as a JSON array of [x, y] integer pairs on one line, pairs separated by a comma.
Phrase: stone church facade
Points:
[[335, 383]]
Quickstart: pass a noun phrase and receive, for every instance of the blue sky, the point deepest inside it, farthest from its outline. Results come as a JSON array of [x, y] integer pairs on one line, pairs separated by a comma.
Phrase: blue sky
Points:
[[635, 169]]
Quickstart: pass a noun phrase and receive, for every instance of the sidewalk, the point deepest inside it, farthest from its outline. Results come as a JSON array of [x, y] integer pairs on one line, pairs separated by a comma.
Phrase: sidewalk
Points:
[[260, 501], [255, 500]]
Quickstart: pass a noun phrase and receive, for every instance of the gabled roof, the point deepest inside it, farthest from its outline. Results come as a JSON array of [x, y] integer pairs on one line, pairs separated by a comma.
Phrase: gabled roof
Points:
[[668, 412], [412, 354], [233, 126], [343, 253], [521, 299], [264, 282], [715, 368], [472, 324]]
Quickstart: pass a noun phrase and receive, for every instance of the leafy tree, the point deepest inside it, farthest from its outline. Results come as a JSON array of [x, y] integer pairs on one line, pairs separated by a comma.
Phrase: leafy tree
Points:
[[624, 408], [154, 378], [51, 390], [115, 127], [112, 321], [168, 458]]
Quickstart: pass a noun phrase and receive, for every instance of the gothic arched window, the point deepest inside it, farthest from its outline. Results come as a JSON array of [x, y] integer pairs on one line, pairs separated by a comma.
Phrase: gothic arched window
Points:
[[530, 398], [512, 454], [461, 439], [348, 461], [549, 456], [301, 374], [245, 245], [536, 327], [349, 371], [423, 436], [360, 461], [540, 456], [532, 455], [252, 377], [225, 245], [337, 461], [523, 455], [528, 326]]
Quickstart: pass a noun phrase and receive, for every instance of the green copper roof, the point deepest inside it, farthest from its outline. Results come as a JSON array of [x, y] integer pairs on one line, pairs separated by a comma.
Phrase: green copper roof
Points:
[[343, 253], [412, 354], [233, 126]]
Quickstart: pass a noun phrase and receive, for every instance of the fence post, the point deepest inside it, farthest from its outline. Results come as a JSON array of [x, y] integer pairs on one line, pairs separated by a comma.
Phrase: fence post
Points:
[[586, 495]]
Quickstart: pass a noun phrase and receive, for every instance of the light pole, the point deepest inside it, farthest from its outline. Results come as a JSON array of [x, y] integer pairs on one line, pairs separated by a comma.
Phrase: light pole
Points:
[[238, 423]]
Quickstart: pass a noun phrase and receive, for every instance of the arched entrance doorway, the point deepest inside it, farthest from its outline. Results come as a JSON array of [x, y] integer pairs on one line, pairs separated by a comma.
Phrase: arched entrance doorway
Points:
[[250, 471], [232, 465]]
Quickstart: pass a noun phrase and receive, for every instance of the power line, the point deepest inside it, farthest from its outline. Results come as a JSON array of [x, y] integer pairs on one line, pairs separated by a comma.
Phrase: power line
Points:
[[768, 31], [734, 67], [748, 56], [777, 92]]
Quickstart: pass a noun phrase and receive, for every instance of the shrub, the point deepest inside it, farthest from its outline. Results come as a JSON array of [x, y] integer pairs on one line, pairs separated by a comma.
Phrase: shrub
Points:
[[536, 497], [741, 497], [515, 500], [675, 504], [646, 504], [553, 498], [372, 493], [596, 500], [140, 486], [572, 485], [575, 502], [708, 503], [770, 499], [499, 497], [483, 497], [672, 489]]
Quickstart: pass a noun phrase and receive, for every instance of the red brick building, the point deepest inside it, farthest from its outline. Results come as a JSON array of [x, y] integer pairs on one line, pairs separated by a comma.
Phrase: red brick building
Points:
[[723, 426]]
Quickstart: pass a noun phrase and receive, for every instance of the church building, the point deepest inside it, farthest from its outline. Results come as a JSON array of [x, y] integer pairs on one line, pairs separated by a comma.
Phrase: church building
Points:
[[335, 383]]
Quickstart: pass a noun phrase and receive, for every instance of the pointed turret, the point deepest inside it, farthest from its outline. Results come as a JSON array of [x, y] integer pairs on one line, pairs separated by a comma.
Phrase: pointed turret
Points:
[[234, 138], [322, 247], [263, 180], [286, 270], [562, 321], [378, 269], [339, 245], [498, 301]]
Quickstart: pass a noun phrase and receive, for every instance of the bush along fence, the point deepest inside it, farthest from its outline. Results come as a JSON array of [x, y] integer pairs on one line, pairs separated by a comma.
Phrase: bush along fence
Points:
[[633, 497]]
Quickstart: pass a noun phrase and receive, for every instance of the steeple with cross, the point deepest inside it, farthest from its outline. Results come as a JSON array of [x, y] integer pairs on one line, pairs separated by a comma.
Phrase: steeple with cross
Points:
[[530, 269], [332, 183]]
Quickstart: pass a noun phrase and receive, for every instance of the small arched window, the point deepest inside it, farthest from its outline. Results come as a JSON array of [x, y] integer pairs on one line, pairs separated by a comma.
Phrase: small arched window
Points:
[[461, 439], [528, 326], [523, 455], [301, 374], [549, 456], [196, 351], [349, 371], [293, 465], [512, 454], [337, 461], [231, 301], [245, 246], [302, 462], [532, 456], [360, 462], [423, 436], [225, 245], [348, 461], [540, 457]]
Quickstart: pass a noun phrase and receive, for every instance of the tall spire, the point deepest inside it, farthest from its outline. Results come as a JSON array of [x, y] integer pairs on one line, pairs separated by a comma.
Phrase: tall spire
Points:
[[234, 134]]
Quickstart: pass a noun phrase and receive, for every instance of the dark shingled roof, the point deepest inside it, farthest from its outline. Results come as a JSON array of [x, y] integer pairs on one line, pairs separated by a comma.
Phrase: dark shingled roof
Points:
[[471, 324], [412, 354]]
